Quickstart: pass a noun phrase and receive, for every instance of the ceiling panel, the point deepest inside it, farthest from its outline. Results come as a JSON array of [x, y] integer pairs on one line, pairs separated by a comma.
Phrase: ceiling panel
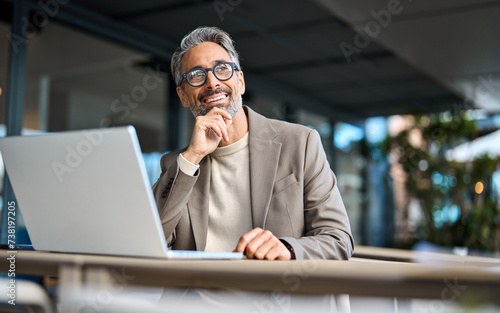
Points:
[[115, 8], [295, 46], [260, 52], [176, 23], [360, 11], [279, 13], [452, 42]]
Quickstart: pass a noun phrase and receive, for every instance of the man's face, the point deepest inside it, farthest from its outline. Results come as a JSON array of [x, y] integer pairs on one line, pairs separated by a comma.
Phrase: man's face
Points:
[[214, 93]]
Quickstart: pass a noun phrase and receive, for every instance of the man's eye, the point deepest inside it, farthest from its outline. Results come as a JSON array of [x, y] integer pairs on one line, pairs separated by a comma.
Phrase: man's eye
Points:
[[197, 73], [223, 68]]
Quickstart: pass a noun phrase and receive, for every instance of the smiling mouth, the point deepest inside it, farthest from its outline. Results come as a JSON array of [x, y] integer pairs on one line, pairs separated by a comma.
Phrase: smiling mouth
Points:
[[215, 99]]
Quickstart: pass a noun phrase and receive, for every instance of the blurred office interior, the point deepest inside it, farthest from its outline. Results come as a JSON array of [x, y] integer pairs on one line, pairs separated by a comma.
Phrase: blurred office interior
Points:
[[405, 95]]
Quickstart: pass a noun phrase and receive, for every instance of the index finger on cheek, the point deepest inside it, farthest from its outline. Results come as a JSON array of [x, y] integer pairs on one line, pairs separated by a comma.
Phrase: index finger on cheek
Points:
[[225, 115]]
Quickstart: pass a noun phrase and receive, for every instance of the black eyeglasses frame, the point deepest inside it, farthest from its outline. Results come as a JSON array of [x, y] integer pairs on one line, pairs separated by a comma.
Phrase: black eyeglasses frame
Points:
[[232, 64]]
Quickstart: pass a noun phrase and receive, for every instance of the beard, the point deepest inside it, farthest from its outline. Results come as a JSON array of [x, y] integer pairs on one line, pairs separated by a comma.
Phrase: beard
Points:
[[233, 106]]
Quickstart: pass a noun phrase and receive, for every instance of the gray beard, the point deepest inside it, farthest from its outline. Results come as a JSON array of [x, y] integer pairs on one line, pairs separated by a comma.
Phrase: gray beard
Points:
[[234, 105]]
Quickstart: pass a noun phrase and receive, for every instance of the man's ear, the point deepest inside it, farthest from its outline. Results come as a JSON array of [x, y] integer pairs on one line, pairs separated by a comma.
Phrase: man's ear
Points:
[[182, 97], [242, 83]]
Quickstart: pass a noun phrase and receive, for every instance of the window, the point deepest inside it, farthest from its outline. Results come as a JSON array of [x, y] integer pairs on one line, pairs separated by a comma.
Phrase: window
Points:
[[78, 81]]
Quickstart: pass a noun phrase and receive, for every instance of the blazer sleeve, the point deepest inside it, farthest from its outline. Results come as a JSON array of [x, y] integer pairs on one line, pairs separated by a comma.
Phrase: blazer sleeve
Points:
[[327, 232], [172, 191]]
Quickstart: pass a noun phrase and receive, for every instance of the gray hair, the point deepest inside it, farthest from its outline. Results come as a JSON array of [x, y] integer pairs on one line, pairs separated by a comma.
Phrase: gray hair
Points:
[[199, 36]]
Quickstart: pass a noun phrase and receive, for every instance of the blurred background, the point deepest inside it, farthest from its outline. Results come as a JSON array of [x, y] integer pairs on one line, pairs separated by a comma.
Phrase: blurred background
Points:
[[405, 95]]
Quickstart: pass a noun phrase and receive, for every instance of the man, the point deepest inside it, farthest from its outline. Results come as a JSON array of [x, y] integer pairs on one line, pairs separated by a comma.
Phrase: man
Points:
[[245, 183]]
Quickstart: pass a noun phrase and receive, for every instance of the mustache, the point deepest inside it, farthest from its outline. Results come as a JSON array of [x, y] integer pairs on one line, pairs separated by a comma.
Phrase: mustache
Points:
[[214, 92]]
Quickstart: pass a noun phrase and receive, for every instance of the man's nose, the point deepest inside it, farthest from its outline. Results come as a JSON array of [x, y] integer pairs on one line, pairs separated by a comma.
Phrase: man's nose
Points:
[[212, 81]]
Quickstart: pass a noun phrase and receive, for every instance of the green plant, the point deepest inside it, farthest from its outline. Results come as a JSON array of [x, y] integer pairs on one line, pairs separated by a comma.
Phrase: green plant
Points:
[[458, 204]]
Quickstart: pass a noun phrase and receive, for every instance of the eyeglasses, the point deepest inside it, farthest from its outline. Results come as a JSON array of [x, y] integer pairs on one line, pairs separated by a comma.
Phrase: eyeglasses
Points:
[[198, 76]]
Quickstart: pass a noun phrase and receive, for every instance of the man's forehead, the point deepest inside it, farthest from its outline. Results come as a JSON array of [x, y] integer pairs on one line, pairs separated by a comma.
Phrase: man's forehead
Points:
[[205, 54]]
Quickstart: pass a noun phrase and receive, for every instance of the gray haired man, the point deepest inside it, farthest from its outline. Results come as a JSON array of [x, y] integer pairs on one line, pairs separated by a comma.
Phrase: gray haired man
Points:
[[245, 183]]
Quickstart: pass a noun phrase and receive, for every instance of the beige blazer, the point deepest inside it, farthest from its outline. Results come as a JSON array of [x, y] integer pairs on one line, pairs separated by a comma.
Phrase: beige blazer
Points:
[[294, 193]]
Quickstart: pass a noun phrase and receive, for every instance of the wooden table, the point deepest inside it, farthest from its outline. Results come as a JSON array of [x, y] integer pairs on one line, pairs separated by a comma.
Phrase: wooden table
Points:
[[355, 277], [410, 256]]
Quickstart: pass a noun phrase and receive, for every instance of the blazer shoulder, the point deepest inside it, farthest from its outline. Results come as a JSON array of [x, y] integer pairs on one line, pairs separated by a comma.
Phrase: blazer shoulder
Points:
[[265, 127], [287, 129]]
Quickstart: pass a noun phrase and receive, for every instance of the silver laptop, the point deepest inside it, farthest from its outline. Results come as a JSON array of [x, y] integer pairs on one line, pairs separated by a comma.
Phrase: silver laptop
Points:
[[88, 192]]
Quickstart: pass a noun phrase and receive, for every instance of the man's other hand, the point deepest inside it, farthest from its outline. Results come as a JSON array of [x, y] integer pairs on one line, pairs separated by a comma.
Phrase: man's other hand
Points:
[[263, 245]]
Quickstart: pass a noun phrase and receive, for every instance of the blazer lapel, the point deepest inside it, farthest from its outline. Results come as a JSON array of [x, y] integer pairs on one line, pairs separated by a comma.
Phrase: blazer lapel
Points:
[[264, 157], [198, 205]]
